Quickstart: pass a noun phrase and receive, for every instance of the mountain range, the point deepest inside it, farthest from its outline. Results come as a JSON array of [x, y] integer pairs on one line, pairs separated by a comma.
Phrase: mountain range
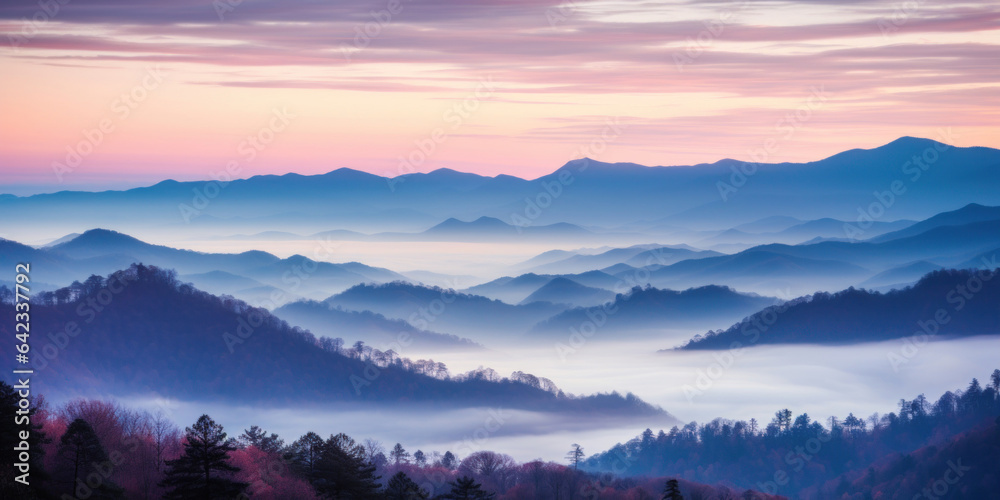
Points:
[[220, 349], [847, 186]]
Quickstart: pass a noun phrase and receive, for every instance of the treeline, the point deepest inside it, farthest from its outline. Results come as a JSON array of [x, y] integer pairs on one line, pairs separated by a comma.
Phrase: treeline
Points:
[[794, 452], [90, 449]]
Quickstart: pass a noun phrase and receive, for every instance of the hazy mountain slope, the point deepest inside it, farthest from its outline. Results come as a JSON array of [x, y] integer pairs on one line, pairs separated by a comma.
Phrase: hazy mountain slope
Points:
[[478, 318], [759, 270], [968, 214], [221, 350], [656, 309], [566, 291], [941, 303], [371, 328], [640, 255]]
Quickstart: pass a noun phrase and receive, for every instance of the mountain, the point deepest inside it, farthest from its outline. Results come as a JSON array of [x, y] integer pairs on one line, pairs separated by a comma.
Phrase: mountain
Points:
[[657, 310], [941, 243], [771, 224], [985, 260], [489, 228], [117, 248], [64, 239], [514, 290], [956, 462], [511, 290], [98, 251], [638, 255], [904, 275], [582, 192], [220, 350], [45, 266], [945, 449], [760, 270], [373, 329], [942, 303], [968, 214], [478, 318], [566, 291], [825, 228], [833, 228], [241, 287]]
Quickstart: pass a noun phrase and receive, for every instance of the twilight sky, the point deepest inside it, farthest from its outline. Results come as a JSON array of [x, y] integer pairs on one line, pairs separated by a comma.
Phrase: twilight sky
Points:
[[496, 86]]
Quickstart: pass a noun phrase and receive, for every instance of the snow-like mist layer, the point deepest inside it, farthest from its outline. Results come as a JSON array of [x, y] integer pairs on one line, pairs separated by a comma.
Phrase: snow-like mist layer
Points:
[[821, 381]]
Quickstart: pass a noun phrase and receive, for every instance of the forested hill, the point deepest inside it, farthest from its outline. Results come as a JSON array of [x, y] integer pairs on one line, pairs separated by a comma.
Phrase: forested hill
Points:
[[891, 456], [954, 303], [140, 330]]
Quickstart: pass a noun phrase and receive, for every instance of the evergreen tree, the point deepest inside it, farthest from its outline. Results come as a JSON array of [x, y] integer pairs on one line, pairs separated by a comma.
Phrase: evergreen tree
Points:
[[304, 454], [10, 439], [575, 455], [466, 488], [84, 464], [449, 461], [399, 455], [203, 471], [672, 490], [342, 471], [401, 487], [419, 458], [258, 438]]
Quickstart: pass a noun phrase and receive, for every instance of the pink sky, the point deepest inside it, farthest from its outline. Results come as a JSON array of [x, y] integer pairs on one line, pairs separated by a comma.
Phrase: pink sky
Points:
[[514, 87]]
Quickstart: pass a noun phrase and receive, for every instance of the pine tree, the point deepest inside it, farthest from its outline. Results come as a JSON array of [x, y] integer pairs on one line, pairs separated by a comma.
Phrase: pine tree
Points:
[[399, 455], [343, 472], [304, 454], [419, 458], [672, 490], [258, 438], [84, 463], [203, 471], [401, 487], [466, 488]]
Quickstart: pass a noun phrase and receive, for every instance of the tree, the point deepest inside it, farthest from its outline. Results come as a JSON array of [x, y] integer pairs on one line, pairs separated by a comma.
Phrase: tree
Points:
[[449, 461], [165, 437], [783, 419], [466, 488], [203, 471], [495, 470], [258, 438], [672, 490], [304, 454], [373, 448], [399, 455], [419, 458], [575, 455], [401, 487], [84, 463], [343, 472]]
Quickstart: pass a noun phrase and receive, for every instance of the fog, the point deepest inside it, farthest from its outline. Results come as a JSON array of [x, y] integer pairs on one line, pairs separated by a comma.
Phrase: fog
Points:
[[483, 261], [822, 381]]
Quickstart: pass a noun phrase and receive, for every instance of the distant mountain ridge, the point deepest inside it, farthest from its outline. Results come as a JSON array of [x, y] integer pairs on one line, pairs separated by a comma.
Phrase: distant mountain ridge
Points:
[[581, 192], [100, 251]]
